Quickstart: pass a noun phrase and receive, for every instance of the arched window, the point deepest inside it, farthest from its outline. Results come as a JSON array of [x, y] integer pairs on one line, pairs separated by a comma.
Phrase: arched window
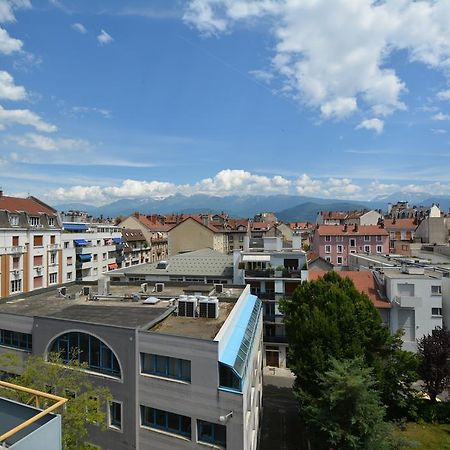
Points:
[[88, 350]]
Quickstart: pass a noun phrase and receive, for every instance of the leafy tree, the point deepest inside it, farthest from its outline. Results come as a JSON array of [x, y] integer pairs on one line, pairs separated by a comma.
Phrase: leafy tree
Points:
[[434, 366], [347, 412], [86, 403], [329, 318]]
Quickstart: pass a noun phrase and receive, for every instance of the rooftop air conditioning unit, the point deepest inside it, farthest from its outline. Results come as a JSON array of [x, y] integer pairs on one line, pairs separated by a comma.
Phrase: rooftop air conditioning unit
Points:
[[144, 287], [203, 306], [159, 287], [187, 306], [213, 308], [218, 288], [86, 290]]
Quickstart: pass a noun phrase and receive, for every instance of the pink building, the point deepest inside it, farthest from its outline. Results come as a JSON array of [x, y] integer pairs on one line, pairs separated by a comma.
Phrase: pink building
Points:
[[335, 242]]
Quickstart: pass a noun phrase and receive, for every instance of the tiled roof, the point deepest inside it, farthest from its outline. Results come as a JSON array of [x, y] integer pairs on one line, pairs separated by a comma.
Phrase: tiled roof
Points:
[[338, 215], [300, 225], [152, 225], [364, 281], [400, 224], [29, 205], [350, 230], [199, 221], [261, 226], [132, 235]]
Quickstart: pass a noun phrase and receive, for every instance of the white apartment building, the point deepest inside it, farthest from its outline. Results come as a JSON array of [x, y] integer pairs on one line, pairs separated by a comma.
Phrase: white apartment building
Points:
[[90, 249], [30, 250]]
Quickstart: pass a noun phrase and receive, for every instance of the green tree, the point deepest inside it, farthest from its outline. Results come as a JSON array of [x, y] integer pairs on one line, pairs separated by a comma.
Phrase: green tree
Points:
[[86, 403], [329, 318], [347, 412]]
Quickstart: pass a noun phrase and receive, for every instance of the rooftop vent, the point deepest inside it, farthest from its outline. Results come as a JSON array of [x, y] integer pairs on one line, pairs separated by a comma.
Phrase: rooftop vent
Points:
[[162, 265]]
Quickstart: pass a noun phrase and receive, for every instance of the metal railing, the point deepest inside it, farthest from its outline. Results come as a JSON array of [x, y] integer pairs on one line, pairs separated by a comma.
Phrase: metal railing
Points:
[[35, 397]]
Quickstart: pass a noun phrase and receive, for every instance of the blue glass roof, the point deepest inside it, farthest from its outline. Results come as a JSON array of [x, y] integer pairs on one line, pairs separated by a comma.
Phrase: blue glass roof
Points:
[[117, 240], [80, 242], [75, 226], [85, 258]]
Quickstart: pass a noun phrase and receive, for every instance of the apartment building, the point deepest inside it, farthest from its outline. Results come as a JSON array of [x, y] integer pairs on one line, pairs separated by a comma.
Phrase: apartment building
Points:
[[235, 231], [402, 210], [335, 243], [273, 272], [90, 249], [363, 217], [184, 372], [136, 249], [401, 234], [30, 246]]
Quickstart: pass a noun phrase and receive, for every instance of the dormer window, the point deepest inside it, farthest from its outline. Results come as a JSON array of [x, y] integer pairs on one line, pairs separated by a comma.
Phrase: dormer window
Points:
[[51, 221], [14, 220], [35, 221]]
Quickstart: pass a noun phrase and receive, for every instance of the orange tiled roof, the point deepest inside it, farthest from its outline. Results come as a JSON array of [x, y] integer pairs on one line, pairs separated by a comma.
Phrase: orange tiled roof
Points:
[[400, 224], [29, 205], [350, 230], [153, 225], [364, 281]]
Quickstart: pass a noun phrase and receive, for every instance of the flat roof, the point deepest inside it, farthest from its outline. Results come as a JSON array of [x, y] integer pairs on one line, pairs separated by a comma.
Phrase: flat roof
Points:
[[398, 273]]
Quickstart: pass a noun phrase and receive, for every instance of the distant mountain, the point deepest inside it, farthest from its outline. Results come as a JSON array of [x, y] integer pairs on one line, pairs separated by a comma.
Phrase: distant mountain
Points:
[[307, 212], [411, 197]]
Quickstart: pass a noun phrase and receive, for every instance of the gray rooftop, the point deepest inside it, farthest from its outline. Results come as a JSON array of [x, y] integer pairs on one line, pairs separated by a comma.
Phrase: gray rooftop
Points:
[[399, 274], [204, 262]]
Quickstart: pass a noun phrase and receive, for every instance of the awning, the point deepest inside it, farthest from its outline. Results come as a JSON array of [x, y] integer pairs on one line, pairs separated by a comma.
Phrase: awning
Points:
[[113, 266], [75, 226], [256, 258], [85, 258], [117, 240], [80, 242]]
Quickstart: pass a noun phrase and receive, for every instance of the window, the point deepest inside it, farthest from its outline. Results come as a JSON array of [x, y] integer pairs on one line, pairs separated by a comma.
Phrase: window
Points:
[[367, 238], [38, 241], [15, 339], [436, 290], [352, 242], [53, 239], [212, 433], [86, 349], [230, 237], [328, 258], [66, 245], [379, 238], [339, 238], [367, 248], [339, 248], [15, 241], [52, 258], [37, 282], [241, 238], [327, 248], [34, 221], [14, 221], [379, 249], [69, 260], [95, 257], [339, 260], [38, 260], [53, 278], [327, 238], [15, 262], [16, 286], [165, 366], [166, 421], [69, 276], [436, 311], [104, 256], [115, 415], [51, 223]]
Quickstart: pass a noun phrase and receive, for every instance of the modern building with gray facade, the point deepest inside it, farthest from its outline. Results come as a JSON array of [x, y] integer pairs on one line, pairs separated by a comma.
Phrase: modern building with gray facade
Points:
[[184, 368]]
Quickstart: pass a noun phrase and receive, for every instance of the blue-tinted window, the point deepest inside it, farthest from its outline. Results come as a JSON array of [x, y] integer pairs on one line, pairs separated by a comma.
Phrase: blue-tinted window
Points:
[[87, 349], [165, 366], [212, 433], [115, 415], [15, 339], [228, 377], [165, 420]]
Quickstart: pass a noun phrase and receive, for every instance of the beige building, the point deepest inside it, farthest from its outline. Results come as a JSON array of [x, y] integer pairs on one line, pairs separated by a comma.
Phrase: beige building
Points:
[[191, 234]]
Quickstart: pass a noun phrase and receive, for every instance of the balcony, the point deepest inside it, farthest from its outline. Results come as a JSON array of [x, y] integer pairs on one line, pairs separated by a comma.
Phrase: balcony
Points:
[[16, 250], [25, 426], [53, 247], [405, 301], [275, 339]]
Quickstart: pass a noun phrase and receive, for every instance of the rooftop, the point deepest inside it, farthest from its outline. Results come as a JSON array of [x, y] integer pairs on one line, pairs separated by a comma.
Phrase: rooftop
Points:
[[350, 230], [30, 205]]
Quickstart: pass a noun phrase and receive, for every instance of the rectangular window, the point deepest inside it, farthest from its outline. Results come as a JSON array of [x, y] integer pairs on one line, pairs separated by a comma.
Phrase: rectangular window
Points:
[[328, 258], [367, 238], [230, 237], [66, 245], [327, 238], [339, 238], [15, 262], [379, 249], [69, 276], [53, 258], [166, 421], [436, 290], [51, 223], [436, 311], [15, 241], [327, 248], [352, 242], [104, 256], [37, 282], [38, 260], [367, 248], [339, 260], [38, 241], [34, 221], [212, 433], [95, 257], [165, 366], [53, 277], [15, 339], [14, 221], [115, 415], [69, 260], [340, 248], [16, 286], [379, 238]]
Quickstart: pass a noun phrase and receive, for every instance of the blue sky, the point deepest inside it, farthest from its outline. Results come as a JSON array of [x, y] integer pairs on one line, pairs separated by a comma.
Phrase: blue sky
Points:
[[101, 100]]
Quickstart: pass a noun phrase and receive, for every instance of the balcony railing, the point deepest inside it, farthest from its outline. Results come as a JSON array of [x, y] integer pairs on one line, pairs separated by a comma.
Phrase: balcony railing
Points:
[[275, 339], [38, 398], [53, 247]]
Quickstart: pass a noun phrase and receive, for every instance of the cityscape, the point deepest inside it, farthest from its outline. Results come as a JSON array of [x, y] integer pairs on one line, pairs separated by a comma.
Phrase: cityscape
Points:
[[224, 225]]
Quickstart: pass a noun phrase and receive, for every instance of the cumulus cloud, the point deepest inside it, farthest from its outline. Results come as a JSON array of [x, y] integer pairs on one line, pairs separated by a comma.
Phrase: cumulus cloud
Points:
[[79, 27], [305, 185], [9, 90], [441, 117], [334, 56], [48, 144], [438, 131], [104, 38], [10, 117], [7, 8], [8, 44], [444, 95], [372, 124], [262, 75]]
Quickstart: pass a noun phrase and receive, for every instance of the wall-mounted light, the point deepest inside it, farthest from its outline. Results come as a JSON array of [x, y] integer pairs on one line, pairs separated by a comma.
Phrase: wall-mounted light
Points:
[[224, 419]]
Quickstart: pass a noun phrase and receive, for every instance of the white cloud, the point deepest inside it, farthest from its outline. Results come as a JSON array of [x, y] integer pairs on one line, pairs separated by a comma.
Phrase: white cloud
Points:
[[372, 124], [307, 186], [45, 143], [341, 187], [8, 44], [81, 110], [7, 8], [438, 131], [262, 75], [104, 38], [79, 27], [377, 188], [10, 117], [334, 56], [441, 117], [8, 90], [444, 95]]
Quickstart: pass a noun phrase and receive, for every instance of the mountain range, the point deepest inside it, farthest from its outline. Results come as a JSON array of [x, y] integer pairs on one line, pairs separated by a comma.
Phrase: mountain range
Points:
[[286, 207]]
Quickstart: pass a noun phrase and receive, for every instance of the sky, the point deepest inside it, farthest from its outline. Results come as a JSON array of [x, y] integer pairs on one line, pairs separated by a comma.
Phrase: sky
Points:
[[106, 99]]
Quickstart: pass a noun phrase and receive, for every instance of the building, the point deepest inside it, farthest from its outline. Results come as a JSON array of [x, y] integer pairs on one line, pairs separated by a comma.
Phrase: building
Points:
[[259, 230], [316, 262], [331, 218], [235, 231], [336, 242], [90, 249], [273, 272], [363, 217], [136, 249], [401, 234], [154, 230], [194, 234], [433, 230], [200, 267], [184, 372], [30, 246], [402, 210]]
